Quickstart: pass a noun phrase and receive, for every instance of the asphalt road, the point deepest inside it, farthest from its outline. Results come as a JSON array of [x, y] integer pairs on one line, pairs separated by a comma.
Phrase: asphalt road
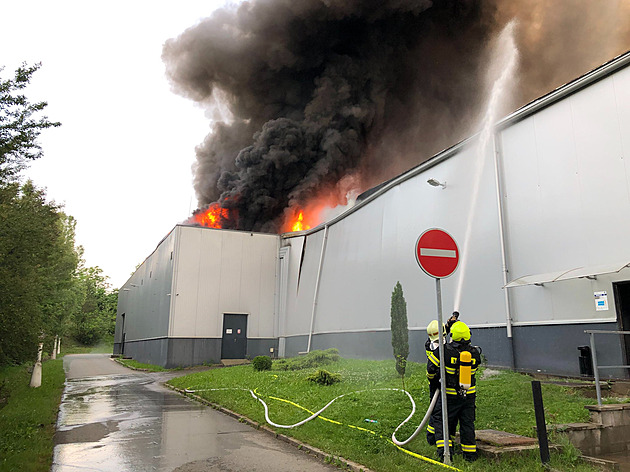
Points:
[[115, 419]]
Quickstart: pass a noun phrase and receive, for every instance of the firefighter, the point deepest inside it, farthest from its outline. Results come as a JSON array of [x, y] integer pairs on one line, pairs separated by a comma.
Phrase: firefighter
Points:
[[431, 346], [461, 363]]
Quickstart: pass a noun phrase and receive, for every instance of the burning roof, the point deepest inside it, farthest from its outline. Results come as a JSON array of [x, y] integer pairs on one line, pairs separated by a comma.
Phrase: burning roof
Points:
[[314, 101]]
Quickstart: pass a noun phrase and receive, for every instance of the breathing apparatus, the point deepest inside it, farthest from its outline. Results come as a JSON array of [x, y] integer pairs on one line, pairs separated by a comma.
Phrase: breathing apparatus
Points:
[[461, 332]]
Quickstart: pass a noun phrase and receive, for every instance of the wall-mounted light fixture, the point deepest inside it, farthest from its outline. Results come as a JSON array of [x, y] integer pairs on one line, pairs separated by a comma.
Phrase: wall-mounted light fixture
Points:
[[436, 183]]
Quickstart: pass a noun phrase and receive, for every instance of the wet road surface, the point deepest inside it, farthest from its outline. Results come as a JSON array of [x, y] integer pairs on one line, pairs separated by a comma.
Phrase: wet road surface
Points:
[[115, 419]]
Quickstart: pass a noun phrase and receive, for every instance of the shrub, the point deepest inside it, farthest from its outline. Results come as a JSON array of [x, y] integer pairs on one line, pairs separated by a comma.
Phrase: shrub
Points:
[[400, 329], [323, 377], [262, 363], [311, 360]]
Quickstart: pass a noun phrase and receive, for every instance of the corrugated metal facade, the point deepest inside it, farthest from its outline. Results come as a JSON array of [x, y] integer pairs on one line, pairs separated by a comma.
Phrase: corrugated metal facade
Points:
[[175, 302], [561, 188]]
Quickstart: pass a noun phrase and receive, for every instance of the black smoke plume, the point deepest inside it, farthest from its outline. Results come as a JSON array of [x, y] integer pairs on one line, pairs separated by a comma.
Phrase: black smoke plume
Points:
[[303, 93]]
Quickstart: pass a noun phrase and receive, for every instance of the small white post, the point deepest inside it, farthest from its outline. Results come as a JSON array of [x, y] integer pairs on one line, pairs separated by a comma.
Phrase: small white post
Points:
[[36, 378], [59, 345], [53, 354]]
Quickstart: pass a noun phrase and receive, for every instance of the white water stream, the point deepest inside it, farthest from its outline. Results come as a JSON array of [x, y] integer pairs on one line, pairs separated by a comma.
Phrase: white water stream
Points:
[[501, 74]]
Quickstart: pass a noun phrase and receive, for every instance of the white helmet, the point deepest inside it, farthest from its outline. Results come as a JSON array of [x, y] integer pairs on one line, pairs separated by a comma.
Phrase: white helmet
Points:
[[432, 330]]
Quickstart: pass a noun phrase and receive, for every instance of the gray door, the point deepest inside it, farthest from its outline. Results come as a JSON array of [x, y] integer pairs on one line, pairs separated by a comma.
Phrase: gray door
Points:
[[622, 300], [234, 345]]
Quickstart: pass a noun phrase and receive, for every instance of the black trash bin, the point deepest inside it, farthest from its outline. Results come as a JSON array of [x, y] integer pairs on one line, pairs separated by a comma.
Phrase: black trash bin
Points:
[[586, 361]]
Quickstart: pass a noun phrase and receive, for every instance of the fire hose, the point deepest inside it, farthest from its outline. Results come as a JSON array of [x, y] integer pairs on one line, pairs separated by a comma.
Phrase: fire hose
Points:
[[394, 440]]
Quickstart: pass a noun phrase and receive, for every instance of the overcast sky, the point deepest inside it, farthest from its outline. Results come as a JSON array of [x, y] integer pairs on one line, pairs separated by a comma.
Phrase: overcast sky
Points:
[[121, 161]]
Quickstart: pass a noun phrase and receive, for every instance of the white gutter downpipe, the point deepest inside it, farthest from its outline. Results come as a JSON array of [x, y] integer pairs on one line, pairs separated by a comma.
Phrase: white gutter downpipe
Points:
[[496, 149], [319, 276]]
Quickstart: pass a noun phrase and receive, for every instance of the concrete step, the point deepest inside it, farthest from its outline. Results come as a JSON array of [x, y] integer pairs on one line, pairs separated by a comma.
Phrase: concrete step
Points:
[[497, 444]]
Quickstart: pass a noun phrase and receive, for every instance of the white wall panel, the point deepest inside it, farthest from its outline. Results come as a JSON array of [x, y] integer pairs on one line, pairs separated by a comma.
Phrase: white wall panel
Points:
[[371, 249], [224, 272], [567, 197]]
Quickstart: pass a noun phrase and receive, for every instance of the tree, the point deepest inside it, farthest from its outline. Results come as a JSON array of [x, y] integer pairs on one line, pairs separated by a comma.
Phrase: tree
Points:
[[63, 295], [19, 127], [96, 316], [400, 330], [29, 229]]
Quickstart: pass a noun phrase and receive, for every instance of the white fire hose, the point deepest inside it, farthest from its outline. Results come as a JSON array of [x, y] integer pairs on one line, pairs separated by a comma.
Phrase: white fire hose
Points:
[[316, 414]]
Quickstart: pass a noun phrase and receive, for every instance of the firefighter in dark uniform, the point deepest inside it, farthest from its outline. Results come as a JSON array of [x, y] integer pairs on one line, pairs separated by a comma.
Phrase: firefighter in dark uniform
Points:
[[461, 363], [431, 346]]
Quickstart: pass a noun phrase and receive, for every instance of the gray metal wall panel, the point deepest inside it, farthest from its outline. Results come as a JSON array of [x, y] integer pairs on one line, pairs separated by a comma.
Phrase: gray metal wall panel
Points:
[[145, 297], [377, 345], [154, 351], [554, 348]]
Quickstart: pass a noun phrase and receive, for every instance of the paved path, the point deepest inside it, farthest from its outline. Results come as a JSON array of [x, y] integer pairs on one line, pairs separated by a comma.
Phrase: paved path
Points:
[[116, 419]]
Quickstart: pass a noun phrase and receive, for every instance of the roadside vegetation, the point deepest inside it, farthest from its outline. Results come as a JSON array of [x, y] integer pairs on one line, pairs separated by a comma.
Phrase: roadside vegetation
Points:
[[141, 366], [504, 403], [46, 290], [28, 417]]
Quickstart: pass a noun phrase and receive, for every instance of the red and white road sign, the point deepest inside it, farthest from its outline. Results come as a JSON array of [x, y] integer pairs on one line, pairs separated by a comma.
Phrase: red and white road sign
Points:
[[437, 253]]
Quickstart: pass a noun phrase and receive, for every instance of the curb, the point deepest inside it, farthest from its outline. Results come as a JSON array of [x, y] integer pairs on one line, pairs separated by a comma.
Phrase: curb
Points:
[[128, 366], [306, 448]]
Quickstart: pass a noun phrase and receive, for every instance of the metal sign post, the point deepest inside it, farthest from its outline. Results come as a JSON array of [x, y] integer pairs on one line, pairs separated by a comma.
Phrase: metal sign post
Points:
[[446, 435], [437, 254]]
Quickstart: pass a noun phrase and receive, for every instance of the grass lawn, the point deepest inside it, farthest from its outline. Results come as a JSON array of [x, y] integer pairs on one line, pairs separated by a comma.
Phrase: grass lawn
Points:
[[504, 402], [140, 366], [70, 346], [28, 417]]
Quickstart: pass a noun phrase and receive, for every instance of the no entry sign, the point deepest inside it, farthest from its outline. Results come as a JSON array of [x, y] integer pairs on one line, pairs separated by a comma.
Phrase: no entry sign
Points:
[[437, 253]]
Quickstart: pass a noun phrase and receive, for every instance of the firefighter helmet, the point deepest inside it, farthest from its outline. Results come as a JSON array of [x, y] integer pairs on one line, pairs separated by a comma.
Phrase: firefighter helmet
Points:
[[460, 331], [432, 330]]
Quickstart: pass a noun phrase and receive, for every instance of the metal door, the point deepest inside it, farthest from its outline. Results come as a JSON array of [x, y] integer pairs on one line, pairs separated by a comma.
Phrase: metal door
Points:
[[622, 301], [234, 345]]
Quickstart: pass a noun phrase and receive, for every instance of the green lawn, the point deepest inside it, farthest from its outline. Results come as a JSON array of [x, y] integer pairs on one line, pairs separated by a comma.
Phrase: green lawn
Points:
[[28, 417], [504, 402], [140, 366]]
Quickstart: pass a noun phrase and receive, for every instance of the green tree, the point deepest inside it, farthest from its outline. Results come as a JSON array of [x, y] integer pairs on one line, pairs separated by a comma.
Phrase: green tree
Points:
[[29, 232], [63, 293], [400, 330], [96, 315], [19, 124]]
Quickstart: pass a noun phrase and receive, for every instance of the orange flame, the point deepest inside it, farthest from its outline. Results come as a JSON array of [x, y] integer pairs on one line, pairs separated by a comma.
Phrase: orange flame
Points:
[[298, 224], [212, 216]]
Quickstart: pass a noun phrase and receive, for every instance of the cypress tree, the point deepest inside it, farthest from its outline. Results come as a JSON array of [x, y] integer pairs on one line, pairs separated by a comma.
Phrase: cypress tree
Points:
[[400, 330]]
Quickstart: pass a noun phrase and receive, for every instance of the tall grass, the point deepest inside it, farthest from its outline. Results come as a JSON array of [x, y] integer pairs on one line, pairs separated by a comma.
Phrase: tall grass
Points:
[[503, 403]]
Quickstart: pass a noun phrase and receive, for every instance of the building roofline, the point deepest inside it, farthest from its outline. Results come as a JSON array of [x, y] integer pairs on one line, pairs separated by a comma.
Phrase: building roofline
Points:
[[521, 113]]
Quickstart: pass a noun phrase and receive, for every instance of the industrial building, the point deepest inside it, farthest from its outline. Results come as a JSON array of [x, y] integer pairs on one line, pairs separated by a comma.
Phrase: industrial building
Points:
[[541, 214]]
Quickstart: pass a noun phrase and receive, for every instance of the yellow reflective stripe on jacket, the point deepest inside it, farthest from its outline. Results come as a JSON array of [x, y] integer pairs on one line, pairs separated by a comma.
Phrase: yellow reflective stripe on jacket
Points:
[[430, 429], [452, 391], [440, 443], [469, 448], [449, 370], [434, 359], [431, 376]]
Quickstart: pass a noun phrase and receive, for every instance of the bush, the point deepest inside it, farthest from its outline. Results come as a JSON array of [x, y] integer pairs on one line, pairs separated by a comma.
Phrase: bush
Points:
[[310, 360], [262, 363], [323, 377]]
